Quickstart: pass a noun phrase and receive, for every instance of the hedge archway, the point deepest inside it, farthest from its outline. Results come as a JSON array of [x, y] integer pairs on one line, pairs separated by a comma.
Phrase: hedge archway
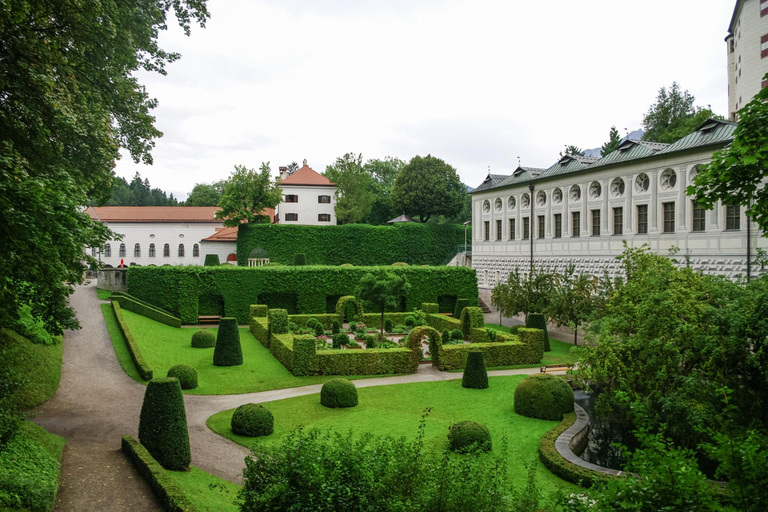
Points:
[[472, 317], [414, 342], [348, 303]]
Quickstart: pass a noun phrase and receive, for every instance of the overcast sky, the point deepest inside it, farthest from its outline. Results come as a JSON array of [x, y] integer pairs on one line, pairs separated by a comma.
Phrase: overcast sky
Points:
[[477, 83]]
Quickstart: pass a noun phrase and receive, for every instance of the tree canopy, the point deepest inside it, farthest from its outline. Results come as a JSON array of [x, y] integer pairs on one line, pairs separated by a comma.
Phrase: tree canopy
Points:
[[673, 116], [246, 194], [383, 173], [737, 174], [205, 194], [354, 198], [382, 291], [613, 142], [428, 186], [69, 102]]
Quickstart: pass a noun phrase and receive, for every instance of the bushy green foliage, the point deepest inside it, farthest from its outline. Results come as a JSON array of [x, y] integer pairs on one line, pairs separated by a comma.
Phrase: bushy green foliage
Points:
[[258, 310], [299, 259], [338, 393], [409, 322], [388, 325], [304, 349], [430, 308], [278, 321], [133, 348], [491, 335], [467, 436], [340, 339], [527, 348], [349, 308], [228, 351], [252, 420], [186, 375], [163, 424], [399, 264], [460, 305], [335, 327], [543, 396], [316, 327], [203, 339], [172, 497], [33, 328], [475, 374], [539, 321], [471, 318], [419, 244], [212, 260]]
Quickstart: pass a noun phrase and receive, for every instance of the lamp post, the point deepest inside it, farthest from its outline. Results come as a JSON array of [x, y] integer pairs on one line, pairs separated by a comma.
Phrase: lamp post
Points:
[[465, 241], [530, 228]]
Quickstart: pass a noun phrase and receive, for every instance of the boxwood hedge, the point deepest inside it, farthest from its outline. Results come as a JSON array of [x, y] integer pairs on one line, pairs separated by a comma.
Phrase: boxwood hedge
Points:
[[306, 289], [358, 244], [526, 348], [145, 309]]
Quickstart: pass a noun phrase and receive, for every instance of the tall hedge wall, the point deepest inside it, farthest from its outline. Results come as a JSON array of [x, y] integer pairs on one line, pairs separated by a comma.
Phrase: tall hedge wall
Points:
[[181, 289], [358, 244]]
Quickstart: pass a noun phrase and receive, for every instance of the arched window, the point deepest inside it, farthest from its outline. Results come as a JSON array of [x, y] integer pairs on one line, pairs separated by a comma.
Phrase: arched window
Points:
[[196, 251], [181, 250], [151, 250], [108, 251], [137, 251], [167, 250], [122, 250]]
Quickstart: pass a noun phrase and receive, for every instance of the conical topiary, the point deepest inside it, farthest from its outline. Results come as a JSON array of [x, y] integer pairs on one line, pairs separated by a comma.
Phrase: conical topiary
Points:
[[299, 259], [475, 375], [538, 321], [211, 260], [228, 351], [163, 424]]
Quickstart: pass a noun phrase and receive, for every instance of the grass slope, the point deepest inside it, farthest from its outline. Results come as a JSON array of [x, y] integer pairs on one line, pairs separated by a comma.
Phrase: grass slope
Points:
[[207, 492], [163, 346], [118, 343], [103, 294], [396, 410], [38, 367]]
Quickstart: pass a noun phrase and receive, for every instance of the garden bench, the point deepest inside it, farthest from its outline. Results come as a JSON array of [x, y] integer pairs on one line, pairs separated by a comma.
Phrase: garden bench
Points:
[[555, 367], [208, 319]]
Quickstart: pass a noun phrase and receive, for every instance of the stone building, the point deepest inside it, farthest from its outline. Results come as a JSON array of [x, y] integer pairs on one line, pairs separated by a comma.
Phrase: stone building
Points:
[[747, 47], [308, 198]]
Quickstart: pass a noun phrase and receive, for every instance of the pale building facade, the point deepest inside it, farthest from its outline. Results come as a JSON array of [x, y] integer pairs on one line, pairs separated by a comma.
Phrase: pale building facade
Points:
[[308, 199], [747, 47]]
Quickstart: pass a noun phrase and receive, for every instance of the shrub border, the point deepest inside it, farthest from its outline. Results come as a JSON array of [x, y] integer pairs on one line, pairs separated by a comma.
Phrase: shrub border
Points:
[[145, 371], [173, 498], [138, 306]]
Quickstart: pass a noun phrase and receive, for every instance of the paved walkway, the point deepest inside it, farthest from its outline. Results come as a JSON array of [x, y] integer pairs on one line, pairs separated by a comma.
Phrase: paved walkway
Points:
[[97, 403]]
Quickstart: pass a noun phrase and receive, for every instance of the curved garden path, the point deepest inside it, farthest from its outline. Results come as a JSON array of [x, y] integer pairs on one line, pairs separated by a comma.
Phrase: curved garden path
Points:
[[97, 403]]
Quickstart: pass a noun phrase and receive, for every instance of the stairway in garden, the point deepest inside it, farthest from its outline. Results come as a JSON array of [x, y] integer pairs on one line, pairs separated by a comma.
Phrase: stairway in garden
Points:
[[484, 306]]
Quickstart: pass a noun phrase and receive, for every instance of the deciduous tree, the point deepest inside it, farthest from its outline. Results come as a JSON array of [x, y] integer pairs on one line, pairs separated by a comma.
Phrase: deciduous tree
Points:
[[383, 291], [246, 194], [354, 197], [428, 186], [205, 194]]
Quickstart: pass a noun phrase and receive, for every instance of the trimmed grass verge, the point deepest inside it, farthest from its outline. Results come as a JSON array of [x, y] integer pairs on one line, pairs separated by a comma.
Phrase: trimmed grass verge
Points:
[[145, 370], [119, 343], [205, 491], [103, 294], [397, 409]]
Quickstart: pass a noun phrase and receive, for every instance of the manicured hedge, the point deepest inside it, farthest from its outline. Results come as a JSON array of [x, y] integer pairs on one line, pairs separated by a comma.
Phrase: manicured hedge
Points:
[[443, 323], [172, 497], [358, 244], [543, 396], [252, 420], [349, 308], [466, 436], [203, 339], [539, 321], [472, 317], [185, 374], [338, 393], [326, 319], [475, 375], [307, 288], [558, 465], [460, 305], [278, 321], [163, 424], [212, 260], [133, 348], [304, 355], [526, 348], [373, 361], [228, 351], [258, 310], [142, 308], [430, 308]]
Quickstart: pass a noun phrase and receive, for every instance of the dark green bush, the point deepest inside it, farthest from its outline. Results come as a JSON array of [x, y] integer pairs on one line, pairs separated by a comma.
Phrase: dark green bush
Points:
[[430, 308], [467, 436], [335, 327], [539, 321], [211, 260], [299, 259], [349, 308], [456, 334], [228, 351], [475, 374], [410, 322], [388, 325], [163, 424], [186, 375], [460, 305], [340, 339], [203, 339], [278, 321], [491, 333], [311, 322], [370, 341], [252, 420], [338, 393], [543, 396], [472, 317]]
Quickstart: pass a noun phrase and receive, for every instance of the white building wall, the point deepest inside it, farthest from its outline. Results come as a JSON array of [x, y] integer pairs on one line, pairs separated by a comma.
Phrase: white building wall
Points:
[[158, 233], [222, 249], [746, 66], [308, 208]]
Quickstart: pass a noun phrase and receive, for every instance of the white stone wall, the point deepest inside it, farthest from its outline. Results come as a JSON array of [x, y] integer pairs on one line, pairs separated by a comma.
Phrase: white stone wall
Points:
[[222, 249], [308, 207], [158, 233], [715, 250], [746, 68]]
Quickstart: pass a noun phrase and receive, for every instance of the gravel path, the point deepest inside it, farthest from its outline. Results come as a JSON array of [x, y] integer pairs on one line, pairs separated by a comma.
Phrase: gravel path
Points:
[[97, 403]]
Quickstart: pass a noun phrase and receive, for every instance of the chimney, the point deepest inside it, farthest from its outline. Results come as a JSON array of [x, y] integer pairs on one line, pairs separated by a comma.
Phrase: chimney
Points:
[[305, 162], [283, 172]]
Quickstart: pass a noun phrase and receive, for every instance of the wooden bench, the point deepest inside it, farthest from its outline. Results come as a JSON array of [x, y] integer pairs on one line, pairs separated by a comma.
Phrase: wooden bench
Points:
[[208, 319], [555, 367]]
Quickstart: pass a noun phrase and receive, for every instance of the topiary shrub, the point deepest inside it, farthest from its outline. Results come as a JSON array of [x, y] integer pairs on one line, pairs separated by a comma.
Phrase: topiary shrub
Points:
[[163, 424], [203, 339], [538, 321], [278, 321], [228, 351], [399, 264], [349, 308], [543, 396], [258, 310], [456, 334], [299, 259], [430, 308], [370, 341], [410, 322], [335, 327], [471, 318], [338, 393], [475, 374], [211, 260], [388, 325], [252, 420], [340, 339], [469, 436], [186, 375], [315, 325], [460, 305], [491, 334]]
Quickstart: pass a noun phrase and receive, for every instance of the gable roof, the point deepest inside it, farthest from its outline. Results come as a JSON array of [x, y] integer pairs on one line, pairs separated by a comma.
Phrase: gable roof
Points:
[[223, 235], [307, 176], [154, 214]]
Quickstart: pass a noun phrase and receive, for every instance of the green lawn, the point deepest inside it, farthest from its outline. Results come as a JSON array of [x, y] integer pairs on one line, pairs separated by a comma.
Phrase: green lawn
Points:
[[397, 409], [103, 294], [205, 491], [163, 346], [36, 367], [118, 343]]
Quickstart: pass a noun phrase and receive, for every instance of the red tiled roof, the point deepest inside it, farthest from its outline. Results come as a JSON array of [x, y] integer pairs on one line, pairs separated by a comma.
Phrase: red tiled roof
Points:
[[307, 176], [154, 213], [223, 235]]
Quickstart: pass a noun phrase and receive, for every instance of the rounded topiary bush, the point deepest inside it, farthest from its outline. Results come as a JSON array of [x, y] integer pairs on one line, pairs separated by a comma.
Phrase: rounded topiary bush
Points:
[[388, 325], [338, 393], [203, 339], [300, 259], [252, 420], [543, 396], [163, 424], [475, 374], [538, 321], [228, 351], [186, 374], [467, 436], [335, 327], [340, 339]]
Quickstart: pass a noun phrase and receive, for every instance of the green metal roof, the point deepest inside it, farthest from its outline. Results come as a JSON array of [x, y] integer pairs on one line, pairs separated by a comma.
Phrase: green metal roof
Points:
[[713, 131]]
